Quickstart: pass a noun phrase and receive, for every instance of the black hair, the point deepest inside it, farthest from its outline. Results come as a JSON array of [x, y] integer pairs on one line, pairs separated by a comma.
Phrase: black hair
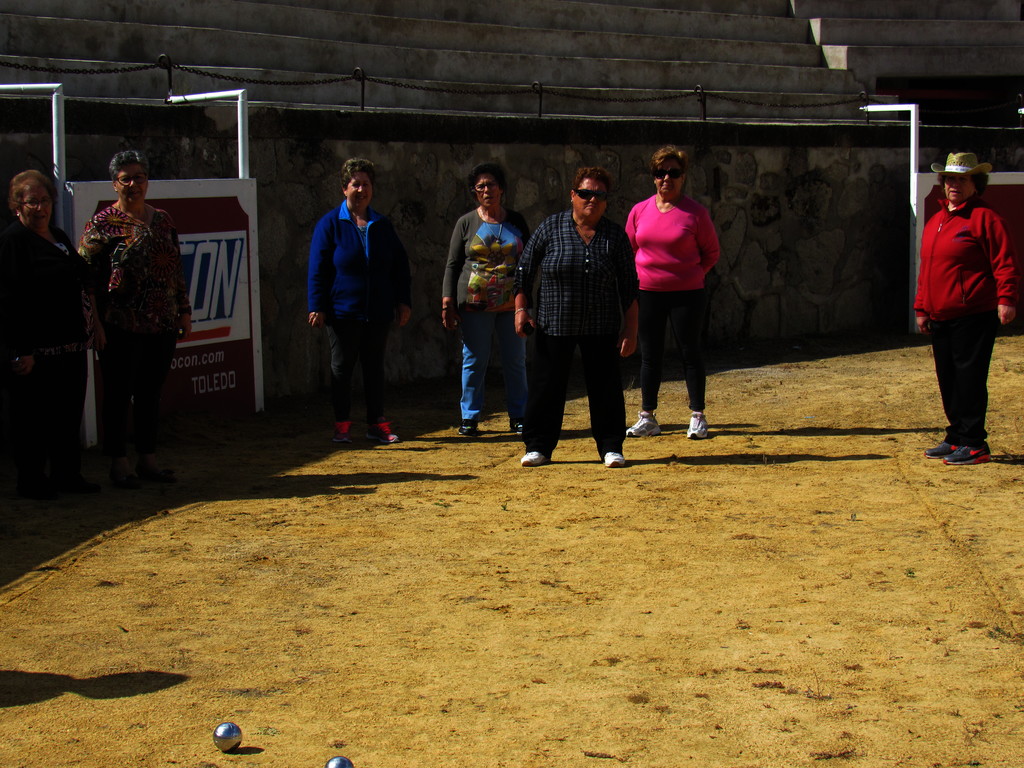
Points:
[[490, 168]]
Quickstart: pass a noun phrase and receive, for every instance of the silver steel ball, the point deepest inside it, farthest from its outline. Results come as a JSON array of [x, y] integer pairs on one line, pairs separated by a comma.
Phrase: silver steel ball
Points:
[[227, 736], [339, 762]]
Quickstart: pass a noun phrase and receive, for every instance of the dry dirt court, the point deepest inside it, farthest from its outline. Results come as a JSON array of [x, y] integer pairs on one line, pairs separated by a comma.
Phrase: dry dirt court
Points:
[[801, 589]]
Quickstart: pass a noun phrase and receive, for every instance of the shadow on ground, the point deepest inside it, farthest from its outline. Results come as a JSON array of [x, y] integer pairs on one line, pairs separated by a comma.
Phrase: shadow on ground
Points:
[[218, 458], [18, 688]]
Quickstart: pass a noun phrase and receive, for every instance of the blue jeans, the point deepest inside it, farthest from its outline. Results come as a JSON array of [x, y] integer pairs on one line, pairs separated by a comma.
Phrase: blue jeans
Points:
[[477, 331]]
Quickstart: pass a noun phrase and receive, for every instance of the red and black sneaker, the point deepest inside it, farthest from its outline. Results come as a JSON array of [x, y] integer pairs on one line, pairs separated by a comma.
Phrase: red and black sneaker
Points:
[[968, 454], [381, 432], [342, 432]]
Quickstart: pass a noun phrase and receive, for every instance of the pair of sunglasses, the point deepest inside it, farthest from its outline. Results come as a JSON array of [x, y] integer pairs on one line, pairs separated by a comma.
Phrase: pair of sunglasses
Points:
[[587, 194], [672, 173]]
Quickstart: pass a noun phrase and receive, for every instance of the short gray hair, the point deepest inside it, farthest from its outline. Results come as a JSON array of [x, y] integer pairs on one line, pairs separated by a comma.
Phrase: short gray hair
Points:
[[128, 157]]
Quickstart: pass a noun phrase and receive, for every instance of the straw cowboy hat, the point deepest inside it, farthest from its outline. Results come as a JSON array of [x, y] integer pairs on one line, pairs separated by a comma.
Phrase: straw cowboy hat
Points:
[[962, 164]]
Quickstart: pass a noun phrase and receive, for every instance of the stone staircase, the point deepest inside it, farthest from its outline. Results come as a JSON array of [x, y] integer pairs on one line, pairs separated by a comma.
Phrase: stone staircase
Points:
[[951, 58], [753, 59], [608, 59]]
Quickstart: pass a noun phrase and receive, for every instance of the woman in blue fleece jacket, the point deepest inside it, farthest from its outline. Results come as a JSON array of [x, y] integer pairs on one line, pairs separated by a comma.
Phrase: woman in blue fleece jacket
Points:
[[359, 283]]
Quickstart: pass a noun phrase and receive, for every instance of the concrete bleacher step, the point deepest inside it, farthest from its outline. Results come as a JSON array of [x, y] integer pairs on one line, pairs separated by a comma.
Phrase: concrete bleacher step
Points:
[[448, 27], [976, 10], [573, 14], [868, 63], [449, 96], [875, 32], [80, 39], [340, 26], [746, 7]]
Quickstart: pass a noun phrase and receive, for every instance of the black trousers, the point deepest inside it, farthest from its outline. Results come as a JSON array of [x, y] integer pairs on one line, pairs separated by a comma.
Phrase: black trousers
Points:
[[353, 341], [549, 383], [684, 311], [46, 418], [135, 366], [963, 350]]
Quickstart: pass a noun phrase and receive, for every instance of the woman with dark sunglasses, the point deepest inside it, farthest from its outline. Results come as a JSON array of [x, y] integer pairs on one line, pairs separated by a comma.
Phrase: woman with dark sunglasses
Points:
[[586, 300], [675, 244]]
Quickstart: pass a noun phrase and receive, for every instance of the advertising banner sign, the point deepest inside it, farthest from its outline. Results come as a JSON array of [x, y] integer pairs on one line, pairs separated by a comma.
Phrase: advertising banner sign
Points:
[[220, 366]]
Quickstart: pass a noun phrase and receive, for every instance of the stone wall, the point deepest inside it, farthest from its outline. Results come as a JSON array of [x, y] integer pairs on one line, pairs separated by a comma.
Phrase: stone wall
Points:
[[813, 220]]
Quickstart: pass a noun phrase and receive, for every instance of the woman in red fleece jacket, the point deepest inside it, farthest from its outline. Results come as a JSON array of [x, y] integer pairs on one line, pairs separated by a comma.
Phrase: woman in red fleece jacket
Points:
[[968, 285]]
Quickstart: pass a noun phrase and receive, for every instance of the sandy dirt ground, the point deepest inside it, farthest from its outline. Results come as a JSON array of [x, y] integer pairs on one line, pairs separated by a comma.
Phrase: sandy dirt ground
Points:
[[802, 588]]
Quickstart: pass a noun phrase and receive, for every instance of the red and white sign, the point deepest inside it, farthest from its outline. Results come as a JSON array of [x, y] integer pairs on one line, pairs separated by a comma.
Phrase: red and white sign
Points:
[[220, 366]]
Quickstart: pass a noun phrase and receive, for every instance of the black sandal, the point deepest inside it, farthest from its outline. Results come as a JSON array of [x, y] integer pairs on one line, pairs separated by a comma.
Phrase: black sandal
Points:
[[156, 475], [128, 482]]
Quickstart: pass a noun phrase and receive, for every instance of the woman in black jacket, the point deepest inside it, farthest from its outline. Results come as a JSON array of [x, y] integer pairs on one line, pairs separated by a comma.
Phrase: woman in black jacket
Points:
[[46, 319]]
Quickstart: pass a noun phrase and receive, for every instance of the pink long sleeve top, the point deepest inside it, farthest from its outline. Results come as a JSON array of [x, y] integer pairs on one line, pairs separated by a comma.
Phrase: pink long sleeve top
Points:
[[675, 249]]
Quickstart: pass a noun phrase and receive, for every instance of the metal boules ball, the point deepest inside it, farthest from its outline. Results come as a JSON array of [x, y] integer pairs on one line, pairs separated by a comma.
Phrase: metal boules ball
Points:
[[339, 762], [227, 736]]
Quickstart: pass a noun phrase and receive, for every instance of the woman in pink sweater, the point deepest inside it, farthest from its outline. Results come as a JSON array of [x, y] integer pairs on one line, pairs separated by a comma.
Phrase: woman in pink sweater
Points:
[[676, 245]]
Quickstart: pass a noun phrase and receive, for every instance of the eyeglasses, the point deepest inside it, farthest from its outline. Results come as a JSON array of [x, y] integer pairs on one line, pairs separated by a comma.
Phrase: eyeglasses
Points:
[[588, 194], [483, 186], [139, 178], [672, 173], [41, 203]]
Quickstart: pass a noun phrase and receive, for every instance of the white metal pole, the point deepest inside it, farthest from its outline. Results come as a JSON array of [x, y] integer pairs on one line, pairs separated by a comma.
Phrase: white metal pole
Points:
[[915, 146], [60, 161], [56, 91], [915, 150], [243, 120], [243, 135]]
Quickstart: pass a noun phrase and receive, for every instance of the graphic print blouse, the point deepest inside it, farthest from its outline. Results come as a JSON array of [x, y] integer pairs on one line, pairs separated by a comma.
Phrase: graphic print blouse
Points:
[[482, 259]]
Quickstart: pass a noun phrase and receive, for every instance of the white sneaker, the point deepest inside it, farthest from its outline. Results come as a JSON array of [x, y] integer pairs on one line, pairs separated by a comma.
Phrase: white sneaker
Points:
[[613, 459], [646, 426], [533, 459], [698, 428]]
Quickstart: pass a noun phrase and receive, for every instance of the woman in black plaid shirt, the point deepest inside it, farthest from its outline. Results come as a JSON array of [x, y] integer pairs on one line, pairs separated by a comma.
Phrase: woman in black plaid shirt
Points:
[[586, 299]]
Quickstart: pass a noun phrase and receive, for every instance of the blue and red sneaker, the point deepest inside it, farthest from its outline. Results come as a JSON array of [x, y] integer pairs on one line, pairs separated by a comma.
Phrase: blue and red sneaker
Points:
[[968, 454], [940, 451]]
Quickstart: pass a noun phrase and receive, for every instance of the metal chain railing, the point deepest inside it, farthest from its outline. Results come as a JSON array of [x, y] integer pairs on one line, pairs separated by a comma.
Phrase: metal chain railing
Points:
[[262, 81], [973, 110], [537, 88], [78, 71], [861, 98], [509, 90]]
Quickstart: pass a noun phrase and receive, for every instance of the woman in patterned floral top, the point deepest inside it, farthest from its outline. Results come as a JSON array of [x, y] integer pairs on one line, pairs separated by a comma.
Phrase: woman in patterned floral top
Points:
[[143, 309]]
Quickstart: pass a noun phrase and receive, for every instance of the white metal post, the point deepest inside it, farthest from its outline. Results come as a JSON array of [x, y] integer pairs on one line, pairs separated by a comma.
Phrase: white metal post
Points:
[[56, 91], [915, 150], [243, 135], [915, 147], [243, 120]]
